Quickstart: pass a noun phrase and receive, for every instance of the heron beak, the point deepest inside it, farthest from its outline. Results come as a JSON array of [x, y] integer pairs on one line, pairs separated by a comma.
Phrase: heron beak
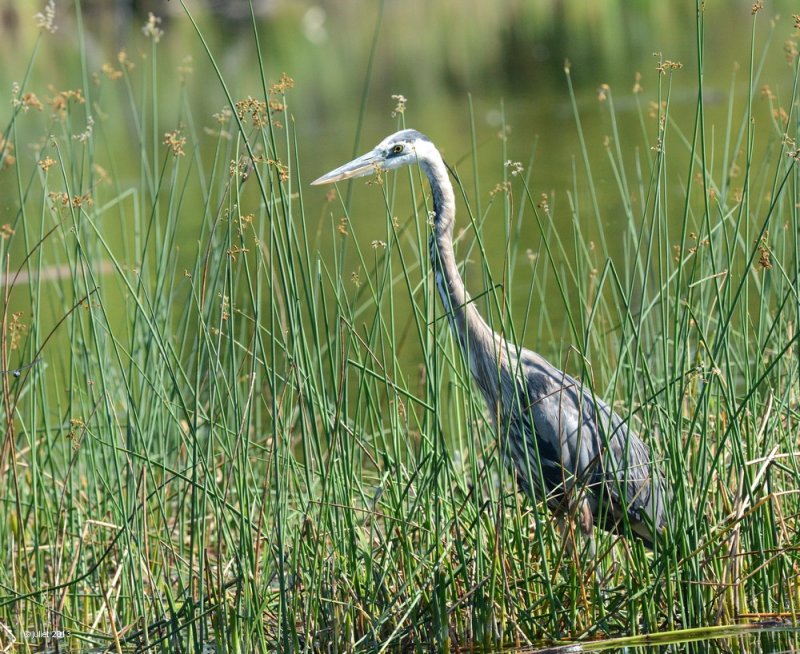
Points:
[[364, 165]]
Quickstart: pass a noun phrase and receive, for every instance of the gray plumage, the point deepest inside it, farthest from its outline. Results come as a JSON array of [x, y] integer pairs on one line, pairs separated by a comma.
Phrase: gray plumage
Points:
[[568, 448]]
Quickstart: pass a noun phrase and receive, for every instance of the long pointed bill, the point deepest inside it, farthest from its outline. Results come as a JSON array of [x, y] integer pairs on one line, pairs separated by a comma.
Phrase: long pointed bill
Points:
[[364, 165]]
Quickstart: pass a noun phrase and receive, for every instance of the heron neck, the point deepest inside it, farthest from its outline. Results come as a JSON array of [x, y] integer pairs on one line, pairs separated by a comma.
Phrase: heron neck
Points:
[[474, 335]]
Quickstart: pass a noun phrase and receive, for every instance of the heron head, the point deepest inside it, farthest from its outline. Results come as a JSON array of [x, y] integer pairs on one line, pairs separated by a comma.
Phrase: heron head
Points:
[[400, 149]]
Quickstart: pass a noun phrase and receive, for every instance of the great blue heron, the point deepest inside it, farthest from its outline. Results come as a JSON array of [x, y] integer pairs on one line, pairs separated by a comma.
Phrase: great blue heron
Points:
[[568, 448]]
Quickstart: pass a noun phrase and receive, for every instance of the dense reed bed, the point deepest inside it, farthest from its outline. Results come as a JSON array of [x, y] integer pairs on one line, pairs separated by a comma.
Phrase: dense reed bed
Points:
[[213, 432]]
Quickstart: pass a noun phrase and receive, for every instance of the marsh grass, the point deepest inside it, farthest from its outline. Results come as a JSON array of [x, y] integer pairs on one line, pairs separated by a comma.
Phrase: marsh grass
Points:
[[238, 451]]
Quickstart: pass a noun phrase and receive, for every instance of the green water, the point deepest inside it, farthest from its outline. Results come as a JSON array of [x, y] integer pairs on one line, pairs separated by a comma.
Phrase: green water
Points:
[[499, 66]]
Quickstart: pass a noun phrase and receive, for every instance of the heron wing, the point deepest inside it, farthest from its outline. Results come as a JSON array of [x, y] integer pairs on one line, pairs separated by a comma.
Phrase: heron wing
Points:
[[581, 441]]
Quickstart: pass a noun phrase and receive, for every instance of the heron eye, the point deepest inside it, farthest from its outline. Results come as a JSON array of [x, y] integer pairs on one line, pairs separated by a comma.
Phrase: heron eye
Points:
[[397, 149]]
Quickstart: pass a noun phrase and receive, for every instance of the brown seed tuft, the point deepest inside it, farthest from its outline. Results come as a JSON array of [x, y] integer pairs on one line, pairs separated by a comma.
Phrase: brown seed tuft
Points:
[[46, 163], [637, 86], [111, 72], [151, 28], [175, 142], [282, 85]]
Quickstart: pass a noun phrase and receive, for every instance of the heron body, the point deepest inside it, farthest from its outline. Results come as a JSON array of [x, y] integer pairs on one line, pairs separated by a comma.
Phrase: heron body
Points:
[[568, 448]]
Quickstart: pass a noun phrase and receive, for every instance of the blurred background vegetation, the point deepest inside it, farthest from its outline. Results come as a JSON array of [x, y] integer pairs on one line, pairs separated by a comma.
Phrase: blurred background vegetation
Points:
[[502, 60], [508, 56]]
